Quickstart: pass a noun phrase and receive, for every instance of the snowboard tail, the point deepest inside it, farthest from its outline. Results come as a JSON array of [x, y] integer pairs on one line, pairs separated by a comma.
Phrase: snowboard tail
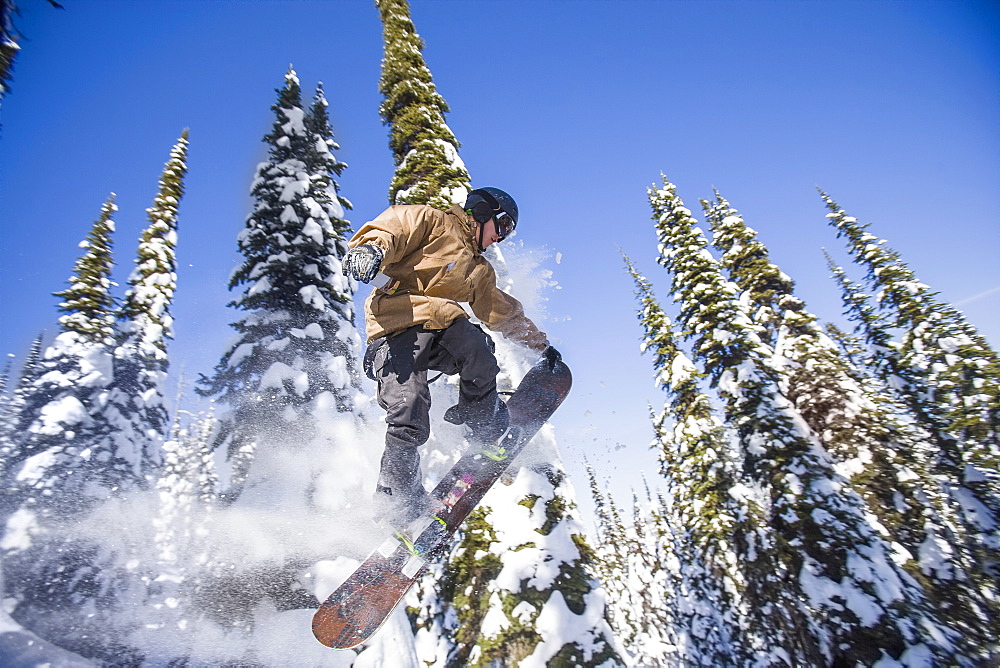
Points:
[[359, 606]]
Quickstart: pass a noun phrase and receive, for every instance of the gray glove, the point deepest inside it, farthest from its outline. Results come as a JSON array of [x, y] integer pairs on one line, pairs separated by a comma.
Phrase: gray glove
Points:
[[362, 263]]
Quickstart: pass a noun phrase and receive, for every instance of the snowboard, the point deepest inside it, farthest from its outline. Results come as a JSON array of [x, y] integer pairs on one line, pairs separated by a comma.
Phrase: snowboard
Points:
[[359, 606]]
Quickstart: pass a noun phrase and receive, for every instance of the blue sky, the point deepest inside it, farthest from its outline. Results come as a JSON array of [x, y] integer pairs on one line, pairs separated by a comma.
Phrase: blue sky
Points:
[[574, 107]]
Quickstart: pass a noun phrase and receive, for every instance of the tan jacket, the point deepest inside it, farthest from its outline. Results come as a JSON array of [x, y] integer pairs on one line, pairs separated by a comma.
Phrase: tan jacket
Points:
[[435, 257]]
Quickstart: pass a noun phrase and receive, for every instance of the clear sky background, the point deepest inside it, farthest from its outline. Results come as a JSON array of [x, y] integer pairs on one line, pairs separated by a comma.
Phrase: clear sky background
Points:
[[575, 107]]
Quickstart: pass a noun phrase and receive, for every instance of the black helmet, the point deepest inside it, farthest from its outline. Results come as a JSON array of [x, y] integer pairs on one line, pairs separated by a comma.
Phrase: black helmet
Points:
[[484, 203]]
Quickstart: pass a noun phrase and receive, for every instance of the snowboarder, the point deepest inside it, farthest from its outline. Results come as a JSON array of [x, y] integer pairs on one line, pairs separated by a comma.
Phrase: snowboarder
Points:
[[431, 261]]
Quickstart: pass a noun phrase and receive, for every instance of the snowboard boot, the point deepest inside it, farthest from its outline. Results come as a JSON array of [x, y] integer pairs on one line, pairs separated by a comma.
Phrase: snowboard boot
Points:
[[487, 418], [400, 496], [399, 507]]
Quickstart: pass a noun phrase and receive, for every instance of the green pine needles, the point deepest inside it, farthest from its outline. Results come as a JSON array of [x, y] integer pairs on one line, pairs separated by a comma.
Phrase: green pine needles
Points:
[[88, 304], [831, 498], [154, 279], [425, 150]]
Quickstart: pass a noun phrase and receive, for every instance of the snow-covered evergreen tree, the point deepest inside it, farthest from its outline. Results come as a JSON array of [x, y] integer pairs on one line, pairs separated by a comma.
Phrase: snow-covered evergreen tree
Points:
[[876, 351], [822, 585], [14, 402], [61, 582], [520, 585], [5, 375], [611, 560], [425, 150], [545, 580], [96, 437], [135, 405], [290, 377], [88, 303], [6, 425], [92, 420], [888, 461], [325, 192], [30, 370], [186, 492], [56, 427], [636, 562], [656, 576], [295, 356], [9, 46], [946, 369], [706, 521]]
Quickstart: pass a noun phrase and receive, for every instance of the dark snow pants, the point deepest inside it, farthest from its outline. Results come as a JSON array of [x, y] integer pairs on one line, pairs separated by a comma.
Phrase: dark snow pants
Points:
[[400, 364]]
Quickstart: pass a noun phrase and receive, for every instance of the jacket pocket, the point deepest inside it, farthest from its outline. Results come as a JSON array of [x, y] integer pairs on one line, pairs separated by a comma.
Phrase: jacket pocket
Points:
[[376, 357]]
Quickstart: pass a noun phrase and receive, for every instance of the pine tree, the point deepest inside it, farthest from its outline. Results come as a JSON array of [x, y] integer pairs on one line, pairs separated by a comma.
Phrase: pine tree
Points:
[[945, 368], [290, 378], [450, 606], [146, 310], [946, 374], [707, 521], [296, 351], [877, 352], [658, 570], [58, 423], [636, 564], [5, 375], [887, 461], [611, 560], [944, 546], [88, 305], [503, 596], [64, 583], [15, 403], [428, 168], [815, 570], [547, 580], [9, 47], [338, 291], [6, 415], [186, 492], [135, 403]]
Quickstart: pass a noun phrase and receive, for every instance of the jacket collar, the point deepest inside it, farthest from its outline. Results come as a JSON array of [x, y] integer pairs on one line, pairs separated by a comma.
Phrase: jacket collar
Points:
[[471, 229]]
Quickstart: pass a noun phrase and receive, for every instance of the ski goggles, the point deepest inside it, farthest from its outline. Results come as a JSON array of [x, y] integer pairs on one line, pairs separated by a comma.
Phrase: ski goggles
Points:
[[505, 225]]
